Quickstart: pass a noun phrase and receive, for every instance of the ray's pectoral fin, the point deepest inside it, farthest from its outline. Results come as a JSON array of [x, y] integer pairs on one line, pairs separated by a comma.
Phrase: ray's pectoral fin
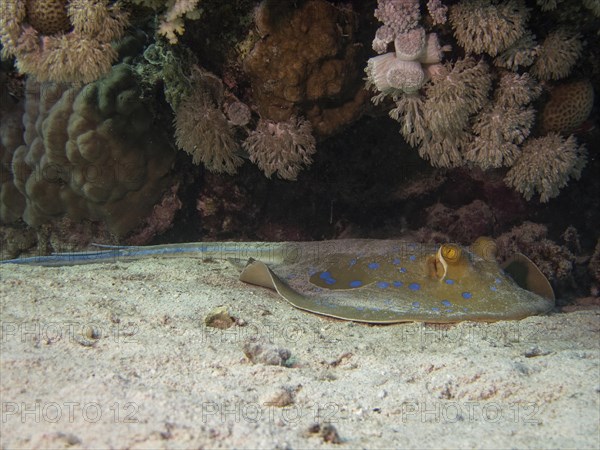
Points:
[[259, 274], [527, 275]]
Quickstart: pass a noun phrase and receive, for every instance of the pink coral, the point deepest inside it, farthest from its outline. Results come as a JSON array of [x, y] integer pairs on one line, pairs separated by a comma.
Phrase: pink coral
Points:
[[281, 148]]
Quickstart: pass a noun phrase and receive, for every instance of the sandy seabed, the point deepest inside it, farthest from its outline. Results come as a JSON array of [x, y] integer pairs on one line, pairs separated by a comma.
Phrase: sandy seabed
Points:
[[117, 355]]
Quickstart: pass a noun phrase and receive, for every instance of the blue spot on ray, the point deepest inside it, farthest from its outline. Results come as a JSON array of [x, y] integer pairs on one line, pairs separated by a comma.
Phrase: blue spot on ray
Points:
[[383, 284], [467, 295], [402, 270], [397, 283], [373, 265], [414, 286], [449, 281], [446, 303], [416, 305], [412, 257], [355, 283], [325, 275], [396, 261]]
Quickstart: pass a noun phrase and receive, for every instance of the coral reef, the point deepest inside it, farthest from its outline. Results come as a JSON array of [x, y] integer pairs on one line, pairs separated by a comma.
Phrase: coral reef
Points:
[[281, 148], [557, 55], [462, 225], [481, 26], [201, 128], [160, 219], [594, 266], [88, 153], [307, 64], [545, 166], [504, 123], [569, 106], [402, 71], [555, 261], [445, 110], [440, 121], [62, 41]]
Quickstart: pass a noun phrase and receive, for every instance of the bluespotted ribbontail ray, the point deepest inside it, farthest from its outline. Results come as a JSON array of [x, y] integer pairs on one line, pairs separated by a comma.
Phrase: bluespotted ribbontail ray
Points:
[[363, 280]]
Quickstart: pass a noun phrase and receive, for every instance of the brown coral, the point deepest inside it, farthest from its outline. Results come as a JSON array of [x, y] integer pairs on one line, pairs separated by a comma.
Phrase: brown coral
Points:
[[545, 166], [557, 55], [555, 261], [307, 64], [202, 130], [79, 51], [90, 153], [482, 26], [48, 16], [569, 106], [281, 148]]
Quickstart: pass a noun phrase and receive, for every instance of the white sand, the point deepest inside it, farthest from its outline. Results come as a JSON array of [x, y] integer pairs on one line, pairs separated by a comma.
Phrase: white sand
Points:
[[155, 376]]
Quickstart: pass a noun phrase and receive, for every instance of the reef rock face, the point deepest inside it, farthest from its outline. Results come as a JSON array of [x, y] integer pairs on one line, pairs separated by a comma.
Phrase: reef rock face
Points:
[[88, 153], [307, 63]]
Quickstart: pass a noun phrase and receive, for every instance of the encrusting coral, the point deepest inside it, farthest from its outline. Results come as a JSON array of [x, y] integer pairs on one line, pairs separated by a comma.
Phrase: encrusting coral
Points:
[[61, 41], [281, 148], [307, 64], [545, 166], [88, 153]]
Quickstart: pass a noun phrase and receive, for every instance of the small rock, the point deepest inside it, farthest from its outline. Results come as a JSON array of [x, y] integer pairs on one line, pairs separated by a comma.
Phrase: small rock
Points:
[[281, 398], [326, 431], [261, 351], [219, 318]]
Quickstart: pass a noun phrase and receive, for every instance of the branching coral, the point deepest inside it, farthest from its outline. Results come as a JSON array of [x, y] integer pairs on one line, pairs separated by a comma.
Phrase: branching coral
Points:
[[485, 26], [437, 12], [281, 148], [202, 130], [45, 44], [546, 165], [398, 17], [505, 123], [171, 23], [91, 153], [557, 55]]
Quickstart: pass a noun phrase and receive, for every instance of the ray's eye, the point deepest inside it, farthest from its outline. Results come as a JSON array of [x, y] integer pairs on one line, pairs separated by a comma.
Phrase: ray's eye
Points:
[[451, 253]]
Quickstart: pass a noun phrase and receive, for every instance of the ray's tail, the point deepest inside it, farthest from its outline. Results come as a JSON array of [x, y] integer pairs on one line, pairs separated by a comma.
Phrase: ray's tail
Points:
[[269, 252]]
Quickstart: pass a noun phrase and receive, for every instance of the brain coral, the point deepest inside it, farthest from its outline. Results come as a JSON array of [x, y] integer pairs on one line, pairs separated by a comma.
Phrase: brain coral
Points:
[[88, 153], [48, 16], [569, 106], [307, 63]]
